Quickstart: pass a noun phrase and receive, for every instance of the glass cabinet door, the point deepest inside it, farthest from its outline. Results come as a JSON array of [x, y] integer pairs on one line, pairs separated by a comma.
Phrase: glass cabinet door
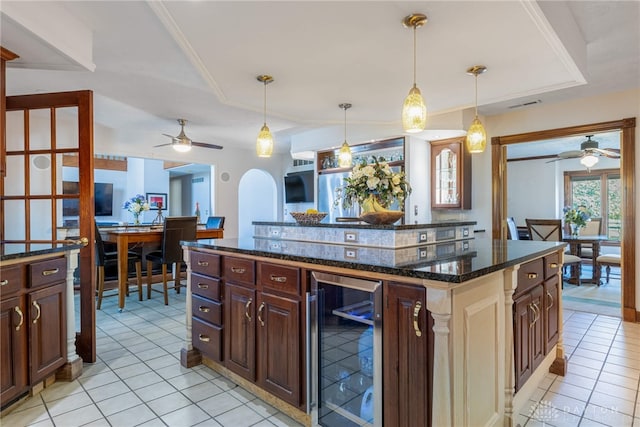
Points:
[[450, 175]]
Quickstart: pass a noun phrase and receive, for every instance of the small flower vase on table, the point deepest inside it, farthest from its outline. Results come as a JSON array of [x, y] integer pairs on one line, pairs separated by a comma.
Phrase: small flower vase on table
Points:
[[574, 229], [136, 218]]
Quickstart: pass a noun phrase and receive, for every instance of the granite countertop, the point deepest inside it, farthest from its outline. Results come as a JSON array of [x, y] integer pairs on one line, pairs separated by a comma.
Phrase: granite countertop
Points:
[[42, 249], [360, 224], [484, 257]]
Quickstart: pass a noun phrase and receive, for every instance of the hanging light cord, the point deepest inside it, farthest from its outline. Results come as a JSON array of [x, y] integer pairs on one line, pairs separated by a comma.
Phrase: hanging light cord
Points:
[[414, 56], [345, 123], [265, 103], [476, 74]]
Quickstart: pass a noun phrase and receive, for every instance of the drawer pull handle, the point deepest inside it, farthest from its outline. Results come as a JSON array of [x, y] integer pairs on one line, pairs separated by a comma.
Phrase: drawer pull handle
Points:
[[553, 265], [203, 338], [203, 286], [416, 312], [17, 310], [5, 282], [203, 263], [532, 275], [204, 309], [238, 270], [260, 314], [280, 279], [536, 314], [50, 272], [246, 309], [37, 307], [550, 299]]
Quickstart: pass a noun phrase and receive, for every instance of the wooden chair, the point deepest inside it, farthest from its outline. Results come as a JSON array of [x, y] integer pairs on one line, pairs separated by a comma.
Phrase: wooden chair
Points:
[[551, 230], [512, 229], [607, 260], [106, 259], [175, 229], [593, 228]]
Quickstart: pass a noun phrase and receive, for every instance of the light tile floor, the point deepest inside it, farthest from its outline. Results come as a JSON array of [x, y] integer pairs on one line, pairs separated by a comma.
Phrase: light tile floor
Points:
[[138, 381]]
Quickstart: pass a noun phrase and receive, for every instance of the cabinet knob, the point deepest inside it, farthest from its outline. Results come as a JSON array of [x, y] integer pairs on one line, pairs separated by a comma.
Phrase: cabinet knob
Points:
[[416, 312], [280, 279], [532, 275], [238, 270], [203, 338], [203, 286], [553, 265], [204, 309], [5, 282], [17, 310], [203, 263]]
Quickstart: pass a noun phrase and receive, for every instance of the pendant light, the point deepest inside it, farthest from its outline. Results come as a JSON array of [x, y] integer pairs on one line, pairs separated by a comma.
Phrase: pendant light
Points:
[[589, 161], [264, 143], [414, 111], [344, 157], [476, 135]]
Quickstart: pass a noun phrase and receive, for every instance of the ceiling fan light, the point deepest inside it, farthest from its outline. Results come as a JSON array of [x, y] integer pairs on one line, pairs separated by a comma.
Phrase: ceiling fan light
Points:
[[264, 143], [476, 137], [181, 145], [589, 161], [344, 157], [414, 112]]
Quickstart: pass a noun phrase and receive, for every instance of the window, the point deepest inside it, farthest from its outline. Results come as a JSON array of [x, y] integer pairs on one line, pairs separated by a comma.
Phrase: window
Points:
[[599, 191]]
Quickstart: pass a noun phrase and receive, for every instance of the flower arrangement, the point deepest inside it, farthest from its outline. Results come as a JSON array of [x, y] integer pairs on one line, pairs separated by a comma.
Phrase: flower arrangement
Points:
[[136, 205], [576, 216], [376, 179]]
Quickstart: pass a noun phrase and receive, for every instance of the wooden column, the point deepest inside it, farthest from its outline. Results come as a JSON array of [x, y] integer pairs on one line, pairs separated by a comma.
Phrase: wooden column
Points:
[[439, 304]]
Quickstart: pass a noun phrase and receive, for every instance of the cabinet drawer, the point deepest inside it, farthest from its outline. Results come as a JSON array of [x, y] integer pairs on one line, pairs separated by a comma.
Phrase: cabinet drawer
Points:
[[279, 278], [208, 339], [551, 265], [204, 263], [206, 309], [240, 271], [204, 286], [11, 280], [47, 272], [529, 275]]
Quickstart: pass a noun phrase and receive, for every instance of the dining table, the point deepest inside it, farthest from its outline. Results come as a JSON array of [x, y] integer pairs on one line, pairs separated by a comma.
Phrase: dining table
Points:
[[123, 237], [575, 248]]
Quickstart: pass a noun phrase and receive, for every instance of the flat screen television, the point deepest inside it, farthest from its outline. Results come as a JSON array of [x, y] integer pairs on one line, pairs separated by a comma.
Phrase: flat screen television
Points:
[[103, 198], [298, 187]]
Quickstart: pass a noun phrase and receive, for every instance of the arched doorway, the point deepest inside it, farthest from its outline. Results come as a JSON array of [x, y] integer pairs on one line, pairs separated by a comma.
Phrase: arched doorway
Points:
[[257, 201], [628, 177]]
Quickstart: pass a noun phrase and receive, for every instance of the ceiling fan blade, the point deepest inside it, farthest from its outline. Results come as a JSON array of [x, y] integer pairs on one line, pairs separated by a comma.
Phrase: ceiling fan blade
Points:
[[170, 136], [164, 145], [572, 154], [205, 145], [554, 160], [613, 153]]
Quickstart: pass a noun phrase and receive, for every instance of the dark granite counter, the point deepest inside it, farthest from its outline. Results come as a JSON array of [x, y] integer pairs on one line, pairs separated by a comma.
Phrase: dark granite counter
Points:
[[42, 249], [463, 264], [363, 225]]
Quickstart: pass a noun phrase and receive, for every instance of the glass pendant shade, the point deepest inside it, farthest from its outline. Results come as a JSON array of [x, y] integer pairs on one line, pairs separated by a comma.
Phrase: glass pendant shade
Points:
[[476, 137], [589, 161], [344, 157], [264, 144], [414, 112], [181, 146]]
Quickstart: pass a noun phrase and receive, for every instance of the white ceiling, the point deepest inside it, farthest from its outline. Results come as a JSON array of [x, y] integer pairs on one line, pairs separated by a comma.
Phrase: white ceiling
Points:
[[150, 63]]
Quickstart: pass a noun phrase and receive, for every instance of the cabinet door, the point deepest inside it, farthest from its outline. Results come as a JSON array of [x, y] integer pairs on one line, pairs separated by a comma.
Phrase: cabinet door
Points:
[[47, 331], [551, 315], [239, 324], [13, 356], [537, 336], [407, 334], [522, 330], [279, 342], [450, 175]]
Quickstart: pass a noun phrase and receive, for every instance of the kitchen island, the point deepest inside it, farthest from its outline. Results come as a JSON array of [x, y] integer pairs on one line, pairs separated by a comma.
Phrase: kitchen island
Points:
[[454, 346], [38, 318]]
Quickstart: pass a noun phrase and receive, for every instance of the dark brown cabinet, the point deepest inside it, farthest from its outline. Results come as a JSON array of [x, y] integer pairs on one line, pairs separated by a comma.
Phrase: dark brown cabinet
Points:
[[450, 174], [535, 315], [33, 324], [206, 305], [407, 334], [239, 323]]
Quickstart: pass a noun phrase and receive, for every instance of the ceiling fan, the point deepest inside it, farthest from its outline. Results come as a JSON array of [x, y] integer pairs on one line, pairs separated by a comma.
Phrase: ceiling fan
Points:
[[183, 143], [588, 150]]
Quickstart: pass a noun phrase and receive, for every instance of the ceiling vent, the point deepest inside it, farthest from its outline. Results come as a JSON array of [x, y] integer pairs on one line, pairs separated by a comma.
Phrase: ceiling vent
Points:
[[526, 104]]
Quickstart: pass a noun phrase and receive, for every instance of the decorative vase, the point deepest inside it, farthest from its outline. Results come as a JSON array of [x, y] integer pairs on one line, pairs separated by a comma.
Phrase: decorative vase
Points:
[[136, 218], [574, 229]]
